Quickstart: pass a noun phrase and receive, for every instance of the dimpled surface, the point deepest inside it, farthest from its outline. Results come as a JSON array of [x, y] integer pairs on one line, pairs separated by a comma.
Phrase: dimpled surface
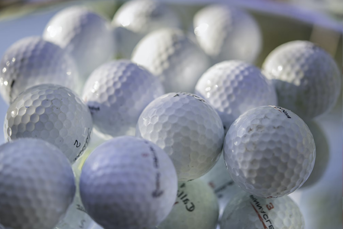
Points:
[[218, 178], [187, 128], [322, 154], [135, 19], [269, 151], [116, 94], [52, 113], [129, 183], [32, 61], [306, 78], [233, 87], [36, 184], [173, 57], [246, 211], [227, 33], [84, 34], [196, 206]]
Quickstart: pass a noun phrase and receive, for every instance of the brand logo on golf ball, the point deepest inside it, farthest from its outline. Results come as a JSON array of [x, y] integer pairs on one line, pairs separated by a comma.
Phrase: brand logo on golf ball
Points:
[[188, 94], [262, 213], [183, 197], [280, 109]]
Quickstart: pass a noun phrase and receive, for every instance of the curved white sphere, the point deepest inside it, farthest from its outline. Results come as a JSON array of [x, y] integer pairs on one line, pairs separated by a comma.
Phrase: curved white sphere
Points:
[[196, 206], [32, 61], [135, 19], [173, 57], [247, 211], [306, 78], [52, 113], [128, 182], [234, 87], [36, 184], [226, 33], [269, 151], [116, 94], [84, 34], [187, 128]]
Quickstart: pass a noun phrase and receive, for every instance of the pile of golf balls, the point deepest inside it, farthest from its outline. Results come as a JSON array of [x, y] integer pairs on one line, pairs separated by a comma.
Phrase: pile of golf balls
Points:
[[162, 139]]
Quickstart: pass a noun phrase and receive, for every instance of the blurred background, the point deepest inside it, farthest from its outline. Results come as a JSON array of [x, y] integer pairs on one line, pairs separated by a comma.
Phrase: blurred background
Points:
[[320, 21]]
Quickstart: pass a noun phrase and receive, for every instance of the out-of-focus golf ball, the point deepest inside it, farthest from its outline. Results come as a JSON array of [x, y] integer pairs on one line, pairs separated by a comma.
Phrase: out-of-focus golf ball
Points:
[[187, 128], [226, 33], [306, 78], [84, 34], [269, 151], [135, 19], [52, 113], [173, 57], [128, 182], [32, 61], [322, 154], [36, 184], [247, 211], [196, 206], [219, 179], [116, 94], [233, 87]]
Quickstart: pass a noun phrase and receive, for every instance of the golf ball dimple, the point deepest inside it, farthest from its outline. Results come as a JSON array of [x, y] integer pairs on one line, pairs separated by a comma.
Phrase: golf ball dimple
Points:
[[187, 128], [173, 57], [116, 94], [269, 151], [86, 36], [52, 113], [32, 61], [36, 184], [135, 19], [129, 183], [233, 87], [227, 33], [246, 211], [195, 207], [306, 78]]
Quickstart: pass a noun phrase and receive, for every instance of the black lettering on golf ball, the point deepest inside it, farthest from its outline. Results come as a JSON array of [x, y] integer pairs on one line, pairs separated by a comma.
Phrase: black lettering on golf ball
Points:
[[89, 131], [12, 84], [157, 192], [261, 213], [77, 144], [93, 109], [189, 205], [176, 95], [80, 208], [282, 110]]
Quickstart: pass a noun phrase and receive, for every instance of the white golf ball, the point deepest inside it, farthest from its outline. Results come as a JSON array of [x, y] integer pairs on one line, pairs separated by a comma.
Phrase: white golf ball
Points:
[[129, 183], [269, 151], [52, 113], [135, 19], [85, 35], [173, 57], [247, 211], [306, 78], [219, 179], [233, 87], [32, 61], [116, 94], [226, 33], [196, 206], [187, 128], [36, 184]]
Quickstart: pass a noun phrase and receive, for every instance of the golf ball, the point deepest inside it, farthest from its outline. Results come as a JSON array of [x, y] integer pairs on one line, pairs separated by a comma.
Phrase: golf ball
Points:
[[85, 35], [36, 184], [187, 128], [196, 206], [247, 211], [129, 183], [32, 61], [52, 113], [218, 178], [226, 33], [135, 19], [173, 57], [269, 151], [233, 87], [306, 78], [116, 94]]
